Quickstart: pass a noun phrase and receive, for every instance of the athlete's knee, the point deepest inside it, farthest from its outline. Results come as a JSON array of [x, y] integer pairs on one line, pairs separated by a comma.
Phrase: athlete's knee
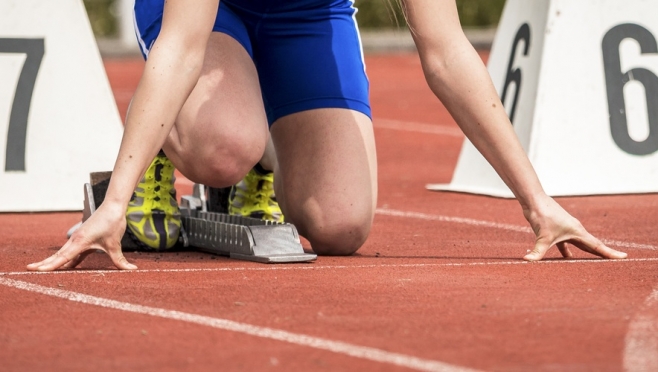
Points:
[[221, 163], [341, 235], [214, 173]]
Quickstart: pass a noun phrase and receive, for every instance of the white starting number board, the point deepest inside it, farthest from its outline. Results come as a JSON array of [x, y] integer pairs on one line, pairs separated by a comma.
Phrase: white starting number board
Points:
[[58, 117], [579, 81]]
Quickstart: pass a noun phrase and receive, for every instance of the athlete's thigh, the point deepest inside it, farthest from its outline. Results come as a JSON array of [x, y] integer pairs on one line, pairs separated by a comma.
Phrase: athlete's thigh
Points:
[[225, 108], [326, 178]]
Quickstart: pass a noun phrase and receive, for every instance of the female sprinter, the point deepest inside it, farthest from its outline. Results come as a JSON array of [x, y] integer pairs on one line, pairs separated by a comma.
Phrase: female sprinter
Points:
[[211, 69]]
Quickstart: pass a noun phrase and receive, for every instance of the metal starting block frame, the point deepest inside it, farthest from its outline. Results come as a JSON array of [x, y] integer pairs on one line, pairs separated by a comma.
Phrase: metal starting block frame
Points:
[[244, 238], [237, 237]]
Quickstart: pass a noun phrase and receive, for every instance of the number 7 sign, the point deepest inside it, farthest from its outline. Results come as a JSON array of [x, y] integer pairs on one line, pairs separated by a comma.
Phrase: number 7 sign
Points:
[[579, 79], [20, 108], [58, 118]]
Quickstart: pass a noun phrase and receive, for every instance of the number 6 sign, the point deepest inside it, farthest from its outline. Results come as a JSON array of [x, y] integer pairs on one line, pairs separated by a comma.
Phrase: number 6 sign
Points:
[[58, 118], [580, 81]]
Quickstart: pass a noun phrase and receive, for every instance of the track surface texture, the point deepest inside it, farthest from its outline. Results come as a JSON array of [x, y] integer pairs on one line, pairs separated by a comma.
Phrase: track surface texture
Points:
[[438, 286]]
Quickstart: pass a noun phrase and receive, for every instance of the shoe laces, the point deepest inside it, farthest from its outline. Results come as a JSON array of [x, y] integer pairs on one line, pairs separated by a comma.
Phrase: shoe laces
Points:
[[158, 184], [256, 188]]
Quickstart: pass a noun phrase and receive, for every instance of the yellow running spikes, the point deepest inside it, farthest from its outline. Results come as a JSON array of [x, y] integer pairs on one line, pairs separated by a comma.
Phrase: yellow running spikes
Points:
[[153, 216], [254, 197]]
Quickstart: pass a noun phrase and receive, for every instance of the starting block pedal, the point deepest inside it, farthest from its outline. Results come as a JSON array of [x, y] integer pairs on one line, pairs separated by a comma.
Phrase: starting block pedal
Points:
[[237, 237], [244, 238]]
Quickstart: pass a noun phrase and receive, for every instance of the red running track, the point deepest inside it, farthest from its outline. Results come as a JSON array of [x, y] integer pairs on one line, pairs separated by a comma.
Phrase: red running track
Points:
[[439, 285]]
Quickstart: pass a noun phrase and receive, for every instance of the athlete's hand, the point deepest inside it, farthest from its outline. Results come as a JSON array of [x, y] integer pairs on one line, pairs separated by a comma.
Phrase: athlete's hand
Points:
[[103, 230], [554, 226]]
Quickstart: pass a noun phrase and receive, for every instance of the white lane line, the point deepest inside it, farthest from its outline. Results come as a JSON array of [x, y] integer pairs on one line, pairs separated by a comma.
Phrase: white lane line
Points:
[[641, 344], [495, 225], [466, 221], [418, 127], [295, 267], [338, 347]]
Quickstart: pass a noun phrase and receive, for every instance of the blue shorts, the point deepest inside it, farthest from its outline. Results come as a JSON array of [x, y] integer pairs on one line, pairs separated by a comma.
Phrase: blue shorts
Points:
[[307, 52]]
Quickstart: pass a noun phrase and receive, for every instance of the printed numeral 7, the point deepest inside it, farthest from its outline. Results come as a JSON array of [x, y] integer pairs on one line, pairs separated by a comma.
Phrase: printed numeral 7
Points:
[[20, 108]]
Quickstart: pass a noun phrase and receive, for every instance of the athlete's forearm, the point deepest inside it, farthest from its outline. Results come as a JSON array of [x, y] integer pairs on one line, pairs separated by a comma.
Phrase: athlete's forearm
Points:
[[166, 83], [462, 83]]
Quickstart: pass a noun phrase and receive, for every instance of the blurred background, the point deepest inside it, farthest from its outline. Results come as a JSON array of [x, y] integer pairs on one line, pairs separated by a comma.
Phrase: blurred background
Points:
[[373, 14]]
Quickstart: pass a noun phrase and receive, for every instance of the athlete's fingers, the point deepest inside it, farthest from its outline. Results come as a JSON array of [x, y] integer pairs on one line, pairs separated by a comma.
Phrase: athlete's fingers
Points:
[[588, 243], [68, 252], [566, 253], [71, 264], [541, 247], [77, 260], [120, 260], [33, 266], [51, 263]]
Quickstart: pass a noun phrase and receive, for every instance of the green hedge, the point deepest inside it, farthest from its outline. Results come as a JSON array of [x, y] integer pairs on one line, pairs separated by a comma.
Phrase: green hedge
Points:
[[388, 13], [102, 16], [480, 13], [372, 14]]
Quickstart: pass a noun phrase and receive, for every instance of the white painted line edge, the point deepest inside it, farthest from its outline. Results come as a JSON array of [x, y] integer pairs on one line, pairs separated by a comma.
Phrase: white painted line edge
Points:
[[363, 352], [328, 267], [641, 343]]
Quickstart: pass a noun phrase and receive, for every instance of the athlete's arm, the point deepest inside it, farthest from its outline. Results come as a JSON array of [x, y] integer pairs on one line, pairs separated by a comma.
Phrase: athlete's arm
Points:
[[171, 72], [457, 76]]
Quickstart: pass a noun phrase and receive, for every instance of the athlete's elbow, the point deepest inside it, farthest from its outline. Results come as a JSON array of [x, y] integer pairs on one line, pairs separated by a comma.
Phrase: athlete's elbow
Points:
[[444, 70], [436, 70], [441, 59], [172, 56], [192, 61]]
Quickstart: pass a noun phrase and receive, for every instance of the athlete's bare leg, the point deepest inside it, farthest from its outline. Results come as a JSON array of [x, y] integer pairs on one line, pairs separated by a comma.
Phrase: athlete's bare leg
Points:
[[326, 177], [268, 161], [221, 131]]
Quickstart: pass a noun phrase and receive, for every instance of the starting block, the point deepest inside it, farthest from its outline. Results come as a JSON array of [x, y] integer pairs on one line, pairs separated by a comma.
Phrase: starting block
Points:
[[237, 237], [244, 238]]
